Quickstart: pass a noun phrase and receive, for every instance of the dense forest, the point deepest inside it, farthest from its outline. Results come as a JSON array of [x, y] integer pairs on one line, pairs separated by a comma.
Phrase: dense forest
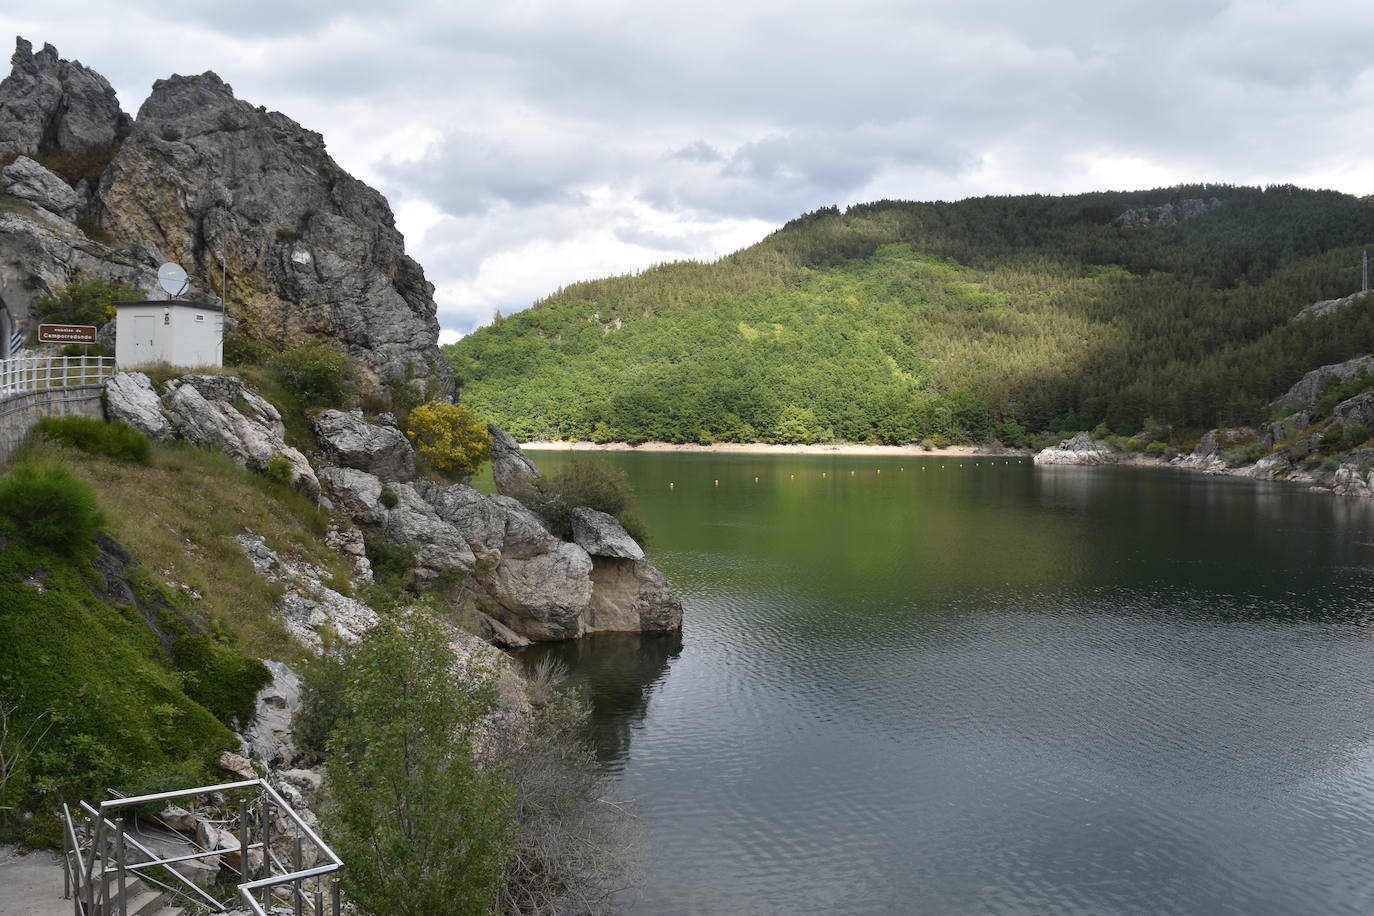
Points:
[[989, 318]]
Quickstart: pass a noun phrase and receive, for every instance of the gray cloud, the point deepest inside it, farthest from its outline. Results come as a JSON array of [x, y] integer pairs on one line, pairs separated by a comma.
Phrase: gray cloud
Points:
[[598, 132]]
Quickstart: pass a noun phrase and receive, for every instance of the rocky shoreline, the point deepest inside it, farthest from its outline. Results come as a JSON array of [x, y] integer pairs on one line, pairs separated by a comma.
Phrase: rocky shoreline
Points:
[[1319, 438]]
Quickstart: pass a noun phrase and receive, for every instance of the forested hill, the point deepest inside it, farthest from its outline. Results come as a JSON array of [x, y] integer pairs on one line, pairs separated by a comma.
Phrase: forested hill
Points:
[[986, 318]]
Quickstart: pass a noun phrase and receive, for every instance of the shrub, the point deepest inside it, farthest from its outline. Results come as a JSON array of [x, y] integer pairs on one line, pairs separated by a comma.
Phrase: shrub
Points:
[[46, 504], [388, 498], [1356, 435], [1160, 449], [280, 469], [450, 437], [322, 687], [316, 374], [424, 829], [243, 349], [96, 437], [391, 563], [86, 301], [218, 678], [583, 482]]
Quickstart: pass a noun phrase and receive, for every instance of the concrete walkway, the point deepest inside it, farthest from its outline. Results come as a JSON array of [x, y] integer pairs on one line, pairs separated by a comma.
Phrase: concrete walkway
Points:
[[31, 884]]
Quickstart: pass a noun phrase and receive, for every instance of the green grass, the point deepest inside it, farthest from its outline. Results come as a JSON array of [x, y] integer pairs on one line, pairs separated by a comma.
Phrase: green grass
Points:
[[179, 515]]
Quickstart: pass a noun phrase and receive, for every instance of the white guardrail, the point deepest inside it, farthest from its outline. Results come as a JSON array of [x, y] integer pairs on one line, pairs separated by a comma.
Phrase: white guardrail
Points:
[[34, 373]]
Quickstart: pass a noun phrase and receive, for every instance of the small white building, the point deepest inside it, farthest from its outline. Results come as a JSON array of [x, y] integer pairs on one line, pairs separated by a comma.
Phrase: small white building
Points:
[[178, 333]]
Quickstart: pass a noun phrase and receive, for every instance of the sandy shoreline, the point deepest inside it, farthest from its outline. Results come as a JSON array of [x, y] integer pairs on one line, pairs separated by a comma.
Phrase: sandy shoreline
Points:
[[764, 448]]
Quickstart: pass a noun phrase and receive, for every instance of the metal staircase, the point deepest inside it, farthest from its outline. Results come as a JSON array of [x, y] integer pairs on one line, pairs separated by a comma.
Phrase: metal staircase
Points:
[[112, 865]]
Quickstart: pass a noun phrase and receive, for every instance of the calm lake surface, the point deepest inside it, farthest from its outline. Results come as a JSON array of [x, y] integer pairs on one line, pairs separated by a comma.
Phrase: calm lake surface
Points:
[[971, 686]]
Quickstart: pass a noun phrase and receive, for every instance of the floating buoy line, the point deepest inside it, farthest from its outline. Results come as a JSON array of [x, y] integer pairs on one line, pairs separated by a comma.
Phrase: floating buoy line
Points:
[[960, 465]]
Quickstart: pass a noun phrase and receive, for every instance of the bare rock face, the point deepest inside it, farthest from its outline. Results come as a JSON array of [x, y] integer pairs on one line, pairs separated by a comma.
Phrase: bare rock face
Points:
[[1328, 306], [1310, 387], [544, 596], [205, 176], [251, 441], [267, 738], [409, 520], [27, 180], [49, 105], [602, 535], [631, 595], [1079, 449], [130, 398], [1356, 411], [510, 468], [352, 442]]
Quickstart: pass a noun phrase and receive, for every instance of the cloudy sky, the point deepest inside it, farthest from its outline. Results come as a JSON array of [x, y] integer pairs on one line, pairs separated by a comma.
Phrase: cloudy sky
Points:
[[525, 145]]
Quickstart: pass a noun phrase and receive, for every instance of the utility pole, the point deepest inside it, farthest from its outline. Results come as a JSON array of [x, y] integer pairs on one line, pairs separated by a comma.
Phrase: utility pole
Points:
[[1364, 279]]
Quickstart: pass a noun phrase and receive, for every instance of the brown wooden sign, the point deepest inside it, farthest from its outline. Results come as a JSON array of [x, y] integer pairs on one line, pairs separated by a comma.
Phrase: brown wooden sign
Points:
[[66, 333]]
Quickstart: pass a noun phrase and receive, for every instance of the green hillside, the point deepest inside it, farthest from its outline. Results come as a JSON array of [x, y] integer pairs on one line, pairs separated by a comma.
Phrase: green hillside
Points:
[[959, 322]]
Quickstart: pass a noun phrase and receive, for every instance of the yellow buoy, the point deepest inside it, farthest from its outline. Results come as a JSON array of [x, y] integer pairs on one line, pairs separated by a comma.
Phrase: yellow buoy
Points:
[[792, 476], [717, 483], [671, 485]]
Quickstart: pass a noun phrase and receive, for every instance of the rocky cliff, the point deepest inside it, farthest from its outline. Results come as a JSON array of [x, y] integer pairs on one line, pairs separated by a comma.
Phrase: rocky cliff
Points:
[[227, 189], [525, 583]]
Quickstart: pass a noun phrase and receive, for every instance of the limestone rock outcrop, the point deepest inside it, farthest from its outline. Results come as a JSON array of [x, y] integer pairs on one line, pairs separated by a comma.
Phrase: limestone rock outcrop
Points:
[[130, 398], [50, 105], [27, 180], [1328, 306], [408, 520], [631, 595], [267, 737], [1309, 388], [511, 468], [219, 184], [350, 441], [602, 535], [201, 409], [1080, 449]]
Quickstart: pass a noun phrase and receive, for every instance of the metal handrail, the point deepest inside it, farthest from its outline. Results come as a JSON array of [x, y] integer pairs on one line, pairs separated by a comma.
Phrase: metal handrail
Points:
[[82, 882], [35, 373]]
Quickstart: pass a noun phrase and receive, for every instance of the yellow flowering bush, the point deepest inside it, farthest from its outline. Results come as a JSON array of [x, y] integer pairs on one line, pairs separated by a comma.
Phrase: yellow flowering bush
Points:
[[450, 437]]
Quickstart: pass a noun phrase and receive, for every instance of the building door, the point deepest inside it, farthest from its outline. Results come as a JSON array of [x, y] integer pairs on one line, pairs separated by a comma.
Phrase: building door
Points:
[[144, 326]]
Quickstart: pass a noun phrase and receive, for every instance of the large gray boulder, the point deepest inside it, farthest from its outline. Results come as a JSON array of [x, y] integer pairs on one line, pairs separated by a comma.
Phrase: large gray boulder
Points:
[[27, 180], [602, 535], [205, 176], [350, 441], [511, 469], [480, 520], [1079, 449], [267, 737], [410, 520], [1356, 411], [631, 595], [49, 105], [544, 596], [251, 441], [130, 398], [1355, 476], [1310, 387]]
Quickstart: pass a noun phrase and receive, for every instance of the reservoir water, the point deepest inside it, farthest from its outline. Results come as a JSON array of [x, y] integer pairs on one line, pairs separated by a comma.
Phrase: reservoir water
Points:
[[971, 686]]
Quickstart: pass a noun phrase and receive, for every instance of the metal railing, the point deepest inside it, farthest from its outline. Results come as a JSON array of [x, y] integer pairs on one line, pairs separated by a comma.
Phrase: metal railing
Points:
[[105, 842], [33, 373]]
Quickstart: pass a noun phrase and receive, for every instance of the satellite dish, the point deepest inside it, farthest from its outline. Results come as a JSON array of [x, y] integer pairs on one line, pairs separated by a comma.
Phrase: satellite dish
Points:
[[172, 278]]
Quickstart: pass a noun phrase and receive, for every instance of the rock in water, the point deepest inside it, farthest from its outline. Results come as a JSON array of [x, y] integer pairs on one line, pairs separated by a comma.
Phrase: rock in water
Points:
[[49, 105], [205, 176], [1079, 449], [602, 535], [510, 467]]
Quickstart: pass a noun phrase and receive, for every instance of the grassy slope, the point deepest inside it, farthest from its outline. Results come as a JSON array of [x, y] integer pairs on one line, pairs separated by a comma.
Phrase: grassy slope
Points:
[[894, 321], [127, 695]]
